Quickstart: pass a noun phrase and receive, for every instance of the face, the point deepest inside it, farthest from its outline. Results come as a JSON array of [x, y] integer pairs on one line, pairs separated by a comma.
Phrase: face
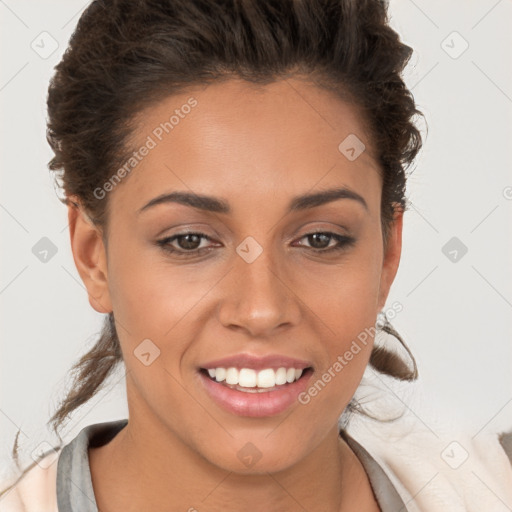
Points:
[[243, 276]]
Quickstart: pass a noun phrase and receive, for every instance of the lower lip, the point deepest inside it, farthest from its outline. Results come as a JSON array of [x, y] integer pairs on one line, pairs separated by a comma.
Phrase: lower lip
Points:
[[260, 404]]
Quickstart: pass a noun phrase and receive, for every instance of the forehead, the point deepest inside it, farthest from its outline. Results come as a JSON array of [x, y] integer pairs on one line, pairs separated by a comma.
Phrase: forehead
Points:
[[236, 139]]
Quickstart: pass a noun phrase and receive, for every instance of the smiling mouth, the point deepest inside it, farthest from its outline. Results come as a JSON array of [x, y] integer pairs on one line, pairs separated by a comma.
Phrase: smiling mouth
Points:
[[300, 375]]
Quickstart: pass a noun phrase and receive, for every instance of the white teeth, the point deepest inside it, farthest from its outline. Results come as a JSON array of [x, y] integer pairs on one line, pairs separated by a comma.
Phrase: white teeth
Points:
[[281, 376], [220, 374], [249, 378], [231, 376], [266, 378]]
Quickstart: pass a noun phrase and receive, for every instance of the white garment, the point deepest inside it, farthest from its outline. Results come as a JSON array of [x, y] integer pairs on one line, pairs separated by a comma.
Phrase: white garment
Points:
[[432, 472], [436, 468]]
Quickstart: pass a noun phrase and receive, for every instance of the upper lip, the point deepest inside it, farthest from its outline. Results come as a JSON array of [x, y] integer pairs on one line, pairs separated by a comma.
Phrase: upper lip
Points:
[[255, 362]]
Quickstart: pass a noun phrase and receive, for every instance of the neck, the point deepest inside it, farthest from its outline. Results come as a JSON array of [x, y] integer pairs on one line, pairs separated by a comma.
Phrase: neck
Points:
[[145, 455]]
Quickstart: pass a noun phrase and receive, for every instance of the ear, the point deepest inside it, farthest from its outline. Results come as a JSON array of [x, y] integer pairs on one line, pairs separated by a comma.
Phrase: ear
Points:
[[90, 258], [391, 257]]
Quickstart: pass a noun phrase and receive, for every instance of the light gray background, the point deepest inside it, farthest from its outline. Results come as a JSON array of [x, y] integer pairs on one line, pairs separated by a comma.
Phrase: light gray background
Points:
[[456, 316]]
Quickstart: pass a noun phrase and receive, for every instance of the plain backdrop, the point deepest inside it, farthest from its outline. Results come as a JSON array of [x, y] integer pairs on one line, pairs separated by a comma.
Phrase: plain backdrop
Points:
[[455, 278]]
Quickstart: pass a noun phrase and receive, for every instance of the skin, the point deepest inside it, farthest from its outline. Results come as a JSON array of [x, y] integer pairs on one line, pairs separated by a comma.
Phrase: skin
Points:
[[252, 147]]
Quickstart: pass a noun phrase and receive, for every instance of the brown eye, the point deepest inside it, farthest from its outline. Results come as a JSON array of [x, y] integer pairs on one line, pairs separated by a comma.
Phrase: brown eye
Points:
[[320, 241], [184, 243], [189, 242]]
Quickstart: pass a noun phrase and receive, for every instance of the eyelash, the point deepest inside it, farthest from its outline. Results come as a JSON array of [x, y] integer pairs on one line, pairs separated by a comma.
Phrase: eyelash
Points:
[[343, 242]]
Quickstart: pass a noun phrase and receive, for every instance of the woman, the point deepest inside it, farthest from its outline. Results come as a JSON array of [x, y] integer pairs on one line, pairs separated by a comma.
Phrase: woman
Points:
[[245, 331]]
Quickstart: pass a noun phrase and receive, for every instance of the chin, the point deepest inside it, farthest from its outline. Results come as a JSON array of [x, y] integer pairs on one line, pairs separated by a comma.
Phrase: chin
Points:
[[256, 457]]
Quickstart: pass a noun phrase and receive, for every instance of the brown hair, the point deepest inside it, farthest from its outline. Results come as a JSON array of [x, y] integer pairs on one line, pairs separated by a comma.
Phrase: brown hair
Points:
[[126, 55]]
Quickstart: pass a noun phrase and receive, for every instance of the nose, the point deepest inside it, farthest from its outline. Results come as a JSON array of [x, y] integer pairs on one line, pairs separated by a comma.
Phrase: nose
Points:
[[258, 297]]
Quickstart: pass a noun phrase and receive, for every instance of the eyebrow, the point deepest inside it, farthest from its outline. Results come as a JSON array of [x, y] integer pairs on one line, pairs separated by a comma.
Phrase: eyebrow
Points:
[[217, 205]]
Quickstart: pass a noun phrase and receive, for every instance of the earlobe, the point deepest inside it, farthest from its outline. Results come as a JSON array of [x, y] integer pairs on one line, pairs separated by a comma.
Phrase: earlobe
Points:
[[391, 259], [90, 257]]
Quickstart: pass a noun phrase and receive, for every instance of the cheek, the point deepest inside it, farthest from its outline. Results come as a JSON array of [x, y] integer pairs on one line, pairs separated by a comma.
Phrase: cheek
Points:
[[143, 288], [348, 295], [151, 303], [156, 300], [347, 305]]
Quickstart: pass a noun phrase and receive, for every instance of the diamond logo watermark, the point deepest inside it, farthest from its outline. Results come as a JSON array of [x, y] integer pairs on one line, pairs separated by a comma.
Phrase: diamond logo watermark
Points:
[[351, 147], [249, 455], [44, 250], [454, 455], [249, 249], [454, 45], [44, 45], [146, 352], [454, 249]]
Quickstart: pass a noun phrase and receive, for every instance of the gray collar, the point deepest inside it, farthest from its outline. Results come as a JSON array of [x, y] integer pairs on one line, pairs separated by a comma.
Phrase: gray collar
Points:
[[74, 484]]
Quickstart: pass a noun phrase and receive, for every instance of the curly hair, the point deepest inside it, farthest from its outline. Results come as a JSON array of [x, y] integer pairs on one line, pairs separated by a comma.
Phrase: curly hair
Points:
[[127, 55]]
